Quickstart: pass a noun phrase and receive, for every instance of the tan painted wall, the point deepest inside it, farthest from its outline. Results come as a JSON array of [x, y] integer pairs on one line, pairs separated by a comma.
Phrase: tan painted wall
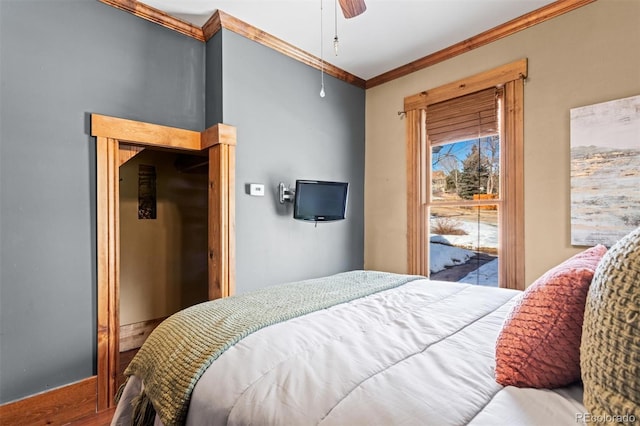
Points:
[[587, 56], [163, 262]]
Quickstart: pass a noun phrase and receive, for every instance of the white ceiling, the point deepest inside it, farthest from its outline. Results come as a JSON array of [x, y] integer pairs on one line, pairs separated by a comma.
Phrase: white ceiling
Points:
[[391, 33]]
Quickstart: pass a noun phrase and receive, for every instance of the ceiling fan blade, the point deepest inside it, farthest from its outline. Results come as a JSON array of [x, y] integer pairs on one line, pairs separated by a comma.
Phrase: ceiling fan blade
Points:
[[352, 8]]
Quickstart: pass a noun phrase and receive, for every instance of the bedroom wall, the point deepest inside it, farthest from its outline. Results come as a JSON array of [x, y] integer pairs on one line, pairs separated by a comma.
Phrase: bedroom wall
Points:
[[163, 261], [286, 131], [61, 61], [586, 56]]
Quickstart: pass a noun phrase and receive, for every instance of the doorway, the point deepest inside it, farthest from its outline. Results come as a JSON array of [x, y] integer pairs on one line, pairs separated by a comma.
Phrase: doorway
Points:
[[163, 241], [116, 141]]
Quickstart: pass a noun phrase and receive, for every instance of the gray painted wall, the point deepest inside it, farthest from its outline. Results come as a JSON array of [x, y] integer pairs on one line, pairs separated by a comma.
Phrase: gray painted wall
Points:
[[80, 56], [60, 61], [286, 131], [213, 80]]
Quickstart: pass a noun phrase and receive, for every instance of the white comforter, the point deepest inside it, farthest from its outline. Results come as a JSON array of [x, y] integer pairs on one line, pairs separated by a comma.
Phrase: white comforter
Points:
[[420, 354]]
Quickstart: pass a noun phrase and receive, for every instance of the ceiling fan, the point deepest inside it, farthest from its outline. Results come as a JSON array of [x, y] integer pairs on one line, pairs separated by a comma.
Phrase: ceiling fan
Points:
[[352, 8]]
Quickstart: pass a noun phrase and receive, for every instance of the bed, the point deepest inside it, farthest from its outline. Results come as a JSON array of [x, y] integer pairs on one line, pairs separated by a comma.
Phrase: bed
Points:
[[376, 348], [412, 352]]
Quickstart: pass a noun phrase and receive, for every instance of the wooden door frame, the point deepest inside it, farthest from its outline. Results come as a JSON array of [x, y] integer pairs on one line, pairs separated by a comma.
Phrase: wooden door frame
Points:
[[114, 138]]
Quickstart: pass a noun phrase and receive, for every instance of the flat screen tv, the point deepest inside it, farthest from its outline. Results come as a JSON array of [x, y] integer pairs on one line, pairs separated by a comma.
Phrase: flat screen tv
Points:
[[320, 201]]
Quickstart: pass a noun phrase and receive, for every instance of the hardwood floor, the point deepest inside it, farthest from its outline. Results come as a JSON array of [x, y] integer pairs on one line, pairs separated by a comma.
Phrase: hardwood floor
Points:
[[72, 404], [103, 418]]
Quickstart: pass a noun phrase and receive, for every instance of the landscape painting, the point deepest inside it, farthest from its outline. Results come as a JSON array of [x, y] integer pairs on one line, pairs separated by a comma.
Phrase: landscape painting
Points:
[[605, 171]]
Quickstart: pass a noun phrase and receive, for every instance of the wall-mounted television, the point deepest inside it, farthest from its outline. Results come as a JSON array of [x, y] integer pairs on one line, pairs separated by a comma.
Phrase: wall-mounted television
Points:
[[320, 201]]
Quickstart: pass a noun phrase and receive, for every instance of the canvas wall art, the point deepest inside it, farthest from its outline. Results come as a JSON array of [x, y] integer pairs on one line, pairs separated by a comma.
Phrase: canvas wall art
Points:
[[605, 171]]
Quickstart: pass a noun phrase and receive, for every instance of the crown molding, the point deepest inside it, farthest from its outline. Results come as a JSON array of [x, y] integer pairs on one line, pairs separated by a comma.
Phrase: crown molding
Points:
[[220, 20], [508, 28], [212, 26], [159, 17], [244, 29]]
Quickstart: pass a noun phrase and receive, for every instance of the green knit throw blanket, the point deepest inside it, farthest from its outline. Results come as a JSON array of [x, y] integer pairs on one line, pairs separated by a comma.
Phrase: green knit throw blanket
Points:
[[181, 348]]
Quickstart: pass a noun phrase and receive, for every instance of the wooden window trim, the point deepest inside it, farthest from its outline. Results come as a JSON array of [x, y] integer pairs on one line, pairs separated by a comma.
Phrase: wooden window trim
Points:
[[511, 218], [114, 136]]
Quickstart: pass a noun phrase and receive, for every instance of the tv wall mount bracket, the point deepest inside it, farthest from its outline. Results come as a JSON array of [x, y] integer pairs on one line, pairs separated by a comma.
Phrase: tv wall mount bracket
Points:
[[286, 194]]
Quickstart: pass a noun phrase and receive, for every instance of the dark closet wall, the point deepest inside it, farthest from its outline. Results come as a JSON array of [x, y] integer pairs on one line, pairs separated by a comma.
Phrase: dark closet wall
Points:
[[60, 61]]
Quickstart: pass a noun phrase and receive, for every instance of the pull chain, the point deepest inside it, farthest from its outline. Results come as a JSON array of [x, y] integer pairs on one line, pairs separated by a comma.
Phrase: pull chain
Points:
[[336, 42], [321, 55]]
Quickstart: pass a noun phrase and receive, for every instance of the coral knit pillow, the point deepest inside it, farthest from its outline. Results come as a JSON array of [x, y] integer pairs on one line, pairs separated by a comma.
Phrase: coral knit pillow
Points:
[[539, 344]]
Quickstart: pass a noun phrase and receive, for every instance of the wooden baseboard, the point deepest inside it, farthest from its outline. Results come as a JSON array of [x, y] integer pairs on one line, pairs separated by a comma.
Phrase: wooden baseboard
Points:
[[132, 336], [55, 407]]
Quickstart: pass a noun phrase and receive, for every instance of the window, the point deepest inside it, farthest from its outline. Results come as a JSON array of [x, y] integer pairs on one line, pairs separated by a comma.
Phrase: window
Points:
[[464, 172], [463, 138], [463, 214]]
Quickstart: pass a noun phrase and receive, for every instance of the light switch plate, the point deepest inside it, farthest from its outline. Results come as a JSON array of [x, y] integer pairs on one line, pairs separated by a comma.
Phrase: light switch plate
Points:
[[256, 189]]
